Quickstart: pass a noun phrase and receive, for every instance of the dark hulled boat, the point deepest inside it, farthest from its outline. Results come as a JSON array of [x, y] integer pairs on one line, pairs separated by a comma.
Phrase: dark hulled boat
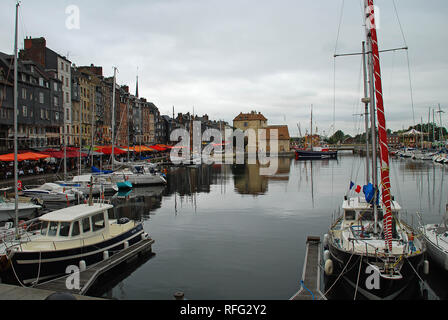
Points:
[[359, 252], [315, 154], [65, 238], [370, 247]]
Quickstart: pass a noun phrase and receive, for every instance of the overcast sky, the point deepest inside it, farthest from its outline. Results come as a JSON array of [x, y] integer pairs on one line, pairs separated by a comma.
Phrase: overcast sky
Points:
[[226, 57]]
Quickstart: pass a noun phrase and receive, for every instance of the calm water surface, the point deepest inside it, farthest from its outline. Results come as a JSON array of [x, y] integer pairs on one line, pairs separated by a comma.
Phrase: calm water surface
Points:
[[225, 232]]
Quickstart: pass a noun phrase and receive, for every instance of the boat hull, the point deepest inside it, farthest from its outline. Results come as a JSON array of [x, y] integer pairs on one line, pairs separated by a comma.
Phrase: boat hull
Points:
[[125, 185], [30, 266], [24, 212], [315, 155], [141, 179], [387, 289], [51, 197], [436, 252]]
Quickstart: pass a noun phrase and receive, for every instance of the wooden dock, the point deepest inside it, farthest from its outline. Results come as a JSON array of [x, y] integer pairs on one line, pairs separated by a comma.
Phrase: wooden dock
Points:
[[310, 282], [88, 277]]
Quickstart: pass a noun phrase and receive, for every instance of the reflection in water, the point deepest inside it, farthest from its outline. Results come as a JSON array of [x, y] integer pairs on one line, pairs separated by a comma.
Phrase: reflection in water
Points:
[[138, 203], [248, 180], [203, 218], [108, 281]]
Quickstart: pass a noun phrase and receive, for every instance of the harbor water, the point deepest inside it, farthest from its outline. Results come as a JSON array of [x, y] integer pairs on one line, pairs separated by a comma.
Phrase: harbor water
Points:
[[227, 232]]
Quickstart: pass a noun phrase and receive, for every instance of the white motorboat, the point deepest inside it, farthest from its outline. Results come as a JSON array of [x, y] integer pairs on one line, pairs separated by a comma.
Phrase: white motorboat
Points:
[[406, 152], [76, 235], [422, 155], [101, 184], [441, 158], [139, 176], [26, 208], [52, 192]]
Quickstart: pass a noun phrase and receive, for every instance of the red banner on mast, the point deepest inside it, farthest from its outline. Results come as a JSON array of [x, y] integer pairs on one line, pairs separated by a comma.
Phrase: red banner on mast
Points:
[[382, 133]]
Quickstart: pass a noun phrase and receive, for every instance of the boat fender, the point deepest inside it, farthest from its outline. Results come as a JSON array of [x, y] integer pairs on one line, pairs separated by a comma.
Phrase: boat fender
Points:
[[329, 267], [326, 255], [426, 267], [82, 265], [126, 244], [145, 236], [105, 255], [326, 240]]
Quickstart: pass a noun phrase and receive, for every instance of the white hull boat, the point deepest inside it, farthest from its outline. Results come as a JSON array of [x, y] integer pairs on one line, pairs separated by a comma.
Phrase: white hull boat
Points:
[[436, 238], [139, 176], [52, 192], [101, 184], [26, 209]]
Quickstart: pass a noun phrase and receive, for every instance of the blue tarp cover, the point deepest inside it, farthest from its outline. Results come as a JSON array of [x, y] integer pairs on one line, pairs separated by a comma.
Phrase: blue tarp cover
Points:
[[96, 170], [369, 192]]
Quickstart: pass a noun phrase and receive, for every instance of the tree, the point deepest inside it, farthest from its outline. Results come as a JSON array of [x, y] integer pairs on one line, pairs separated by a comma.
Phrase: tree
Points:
[[336, 137]]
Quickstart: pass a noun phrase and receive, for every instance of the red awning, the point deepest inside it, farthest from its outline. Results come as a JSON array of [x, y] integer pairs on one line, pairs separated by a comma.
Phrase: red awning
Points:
[[59, 154], [158, 148], [108, 150], [23, 156]]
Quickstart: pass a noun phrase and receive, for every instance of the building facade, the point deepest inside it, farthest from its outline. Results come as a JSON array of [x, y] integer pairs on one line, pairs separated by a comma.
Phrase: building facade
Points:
[[39, 105], [35, 49]]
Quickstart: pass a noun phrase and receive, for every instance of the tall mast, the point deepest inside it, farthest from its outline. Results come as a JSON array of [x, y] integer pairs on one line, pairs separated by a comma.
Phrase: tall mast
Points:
[[384, 152], [113, 117], [65, 152], [366, 114], [311, 127], [372, 125], [92, 122], [80, 130], [127, 121], [16, 207], [441, 126], [421, 128], [433, 126]]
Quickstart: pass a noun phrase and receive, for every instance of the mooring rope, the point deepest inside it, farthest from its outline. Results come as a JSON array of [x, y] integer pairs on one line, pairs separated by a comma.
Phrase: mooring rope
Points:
[[303, 285]]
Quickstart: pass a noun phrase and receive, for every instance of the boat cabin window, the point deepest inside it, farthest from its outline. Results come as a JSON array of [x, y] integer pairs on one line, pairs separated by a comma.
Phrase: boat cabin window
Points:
[[350, 214], [53, 229], [44, 228], [366, 215], [64, 229], [85, 225], [98, 221], [75, 229]]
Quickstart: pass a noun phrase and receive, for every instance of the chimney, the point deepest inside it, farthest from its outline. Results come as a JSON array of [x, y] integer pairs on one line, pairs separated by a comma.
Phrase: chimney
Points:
[[35, 50]]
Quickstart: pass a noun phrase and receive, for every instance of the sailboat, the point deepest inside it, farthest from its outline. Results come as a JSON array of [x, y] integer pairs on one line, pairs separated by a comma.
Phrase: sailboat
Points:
[[374, 252], [311, 150]]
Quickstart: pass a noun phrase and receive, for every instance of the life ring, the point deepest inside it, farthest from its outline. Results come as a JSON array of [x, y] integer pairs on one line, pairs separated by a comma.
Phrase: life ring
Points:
[[19, 185]]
